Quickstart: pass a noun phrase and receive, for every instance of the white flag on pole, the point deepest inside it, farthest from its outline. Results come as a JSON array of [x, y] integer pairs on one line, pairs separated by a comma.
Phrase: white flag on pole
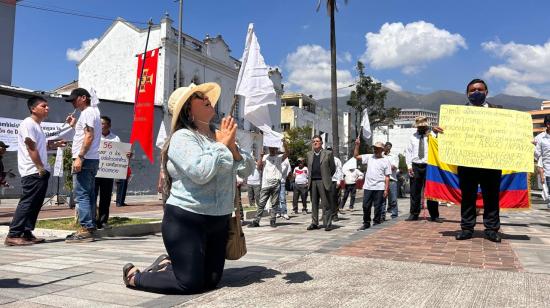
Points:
[[161, 137], [365, 124], [255, 86]]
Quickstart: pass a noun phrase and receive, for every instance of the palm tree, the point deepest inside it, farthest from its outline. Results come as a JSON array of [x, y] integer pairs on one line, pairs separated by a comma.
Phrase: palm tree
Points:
[[331, 8]]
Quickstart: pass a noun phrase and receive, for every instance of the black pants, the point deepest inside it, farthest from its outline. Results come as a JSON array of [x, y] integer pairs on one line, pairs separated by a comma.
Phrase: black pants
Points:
[[103, 191], [489, 181], [300, 191], [370, 198], [33, 191], [196, 246], [349, 191], [121, 187], [334, 198], [417, 185]]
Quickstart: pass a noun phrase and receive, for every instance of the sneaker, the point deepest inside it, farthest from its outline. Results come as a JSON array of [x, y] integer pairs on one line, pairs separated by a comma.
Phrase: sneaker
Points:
[[272, 223], [278, 215], [17, 241], [412, 218], [81, 236], [107, 226], [304, 212], [254, 224], [285, 216], [312, 227]]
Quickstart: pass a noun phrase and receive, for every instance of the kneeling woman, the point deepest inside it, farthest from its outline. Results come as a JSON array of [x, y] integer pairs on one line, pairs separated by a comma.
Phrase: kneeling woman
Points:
[[200, 165]]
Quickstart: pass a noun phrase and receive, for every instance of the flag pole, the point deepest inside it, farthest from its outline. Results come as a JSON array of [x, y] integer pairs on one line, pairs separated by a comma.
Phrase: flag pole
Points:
[[150, 24]]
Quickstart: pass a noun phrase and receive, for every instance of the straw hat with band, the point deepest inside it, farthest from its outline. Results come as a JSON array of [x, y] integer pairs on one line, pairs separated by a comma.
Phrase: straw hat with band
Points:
[[181, 95], [421, 121]]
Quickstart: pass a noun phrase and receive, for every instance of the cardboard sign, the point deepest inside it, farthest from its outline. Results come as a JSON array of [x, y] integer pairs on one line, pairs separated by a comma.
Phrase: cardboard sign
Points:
[[113, 163], [490, 138]]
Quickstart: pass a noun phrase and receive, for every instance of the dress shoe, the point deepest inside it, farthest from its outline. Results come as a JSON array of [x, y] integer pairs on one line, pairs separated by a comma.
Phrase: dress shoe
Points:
[[17, 241], [412, 218], [272, 223], [35, 240], [312, 227], [336, 218], [254, 224], [364, 227], [436, 219], [493, 236], [376, 222], [464, 235], [330, 228]]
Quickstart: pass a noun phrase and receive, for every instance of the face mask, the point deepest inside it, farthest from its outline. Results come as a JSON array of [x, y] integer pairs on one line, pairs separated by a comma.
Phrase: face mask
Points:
[[422, 130], [477, 98]]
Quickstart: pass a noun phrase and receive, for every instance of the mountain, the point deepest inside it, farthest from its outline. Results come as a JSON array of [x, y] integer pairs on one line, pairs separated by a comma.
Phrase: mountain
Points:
[[433, 100]]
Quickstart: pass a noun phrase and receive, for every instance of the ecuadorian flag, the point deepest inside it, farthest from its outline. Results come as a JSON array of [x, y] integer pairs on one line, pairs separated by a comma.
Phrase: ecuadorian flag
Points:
[[442, 183]]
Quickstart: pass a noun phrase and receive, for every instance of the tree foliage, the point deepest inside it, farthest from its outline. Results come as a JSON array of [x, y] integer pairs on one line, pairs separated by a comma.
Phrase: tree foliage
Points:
[[370, 95], [298, 141]]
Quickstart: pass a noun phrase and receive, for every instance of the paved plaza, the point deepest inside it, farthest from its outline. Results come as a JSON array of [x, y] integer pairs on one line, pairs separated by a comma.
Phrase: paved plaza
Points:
[[397, 264]]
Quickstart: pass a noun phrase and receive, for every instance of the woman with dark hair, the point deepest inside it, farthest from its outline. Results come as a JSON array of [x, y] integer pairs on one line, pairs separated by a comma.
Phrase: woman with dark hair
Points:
[[200, 165]]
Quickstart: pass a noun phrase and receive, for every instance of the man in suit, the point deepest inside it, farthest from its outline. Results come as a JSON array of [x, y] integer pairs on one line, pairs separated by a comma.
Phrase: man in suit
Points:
[[469, 179], [320, 162]]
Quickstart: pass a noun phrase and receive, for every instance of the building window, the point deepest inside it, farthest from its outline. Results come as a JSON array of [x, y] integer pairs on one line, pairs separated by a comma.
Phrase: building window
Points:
[[237, 109], [182, 80], [285, 126]]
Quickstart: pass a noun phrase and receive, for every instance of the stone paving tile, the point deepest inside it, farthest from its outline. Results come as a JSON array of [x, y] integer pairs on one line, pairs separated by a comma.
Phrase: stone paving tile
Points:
[[427, 242], [25, 304], [106, 296], [65, 301]]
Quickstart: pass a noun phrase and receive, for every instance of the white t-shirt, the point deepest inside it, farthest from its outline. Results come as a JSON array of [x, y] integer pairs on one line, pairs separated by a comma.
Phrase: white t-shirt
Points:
[[393, 160], [338, 174], [88, 117], [377, 169], [351, 176], [300, 175], [273, 170], [255, 178], [110, 137], [32, 130]]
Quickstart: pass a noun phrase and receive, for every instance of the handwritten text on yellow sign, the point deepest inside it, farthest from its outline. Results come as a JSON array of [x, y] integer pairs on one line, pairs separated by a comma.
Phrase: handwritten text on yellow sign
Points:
[[489, 138]]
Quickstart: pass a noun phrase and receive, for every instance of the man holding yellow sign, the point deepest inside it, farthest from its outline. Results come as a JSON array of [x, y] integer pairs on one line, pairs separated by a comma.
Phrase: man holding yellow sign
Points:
[[482, 142]]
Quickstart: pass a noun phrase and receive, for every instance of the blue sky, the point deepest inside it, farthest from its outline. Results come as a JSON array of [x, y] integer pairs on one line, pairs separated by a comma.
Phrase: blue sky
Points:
[[414, 45]]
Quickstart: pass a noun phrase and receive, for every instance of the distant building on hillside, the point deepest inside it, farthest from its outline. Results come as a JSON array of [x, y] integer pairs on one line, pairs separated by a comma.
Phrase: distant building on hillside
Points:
[[538, 117], [407, 116]]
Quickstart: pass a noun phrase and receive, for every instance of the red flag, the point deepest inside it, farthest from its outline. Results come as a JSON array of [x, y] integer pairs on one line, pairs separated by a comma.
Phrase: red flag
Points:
[[142, 129]]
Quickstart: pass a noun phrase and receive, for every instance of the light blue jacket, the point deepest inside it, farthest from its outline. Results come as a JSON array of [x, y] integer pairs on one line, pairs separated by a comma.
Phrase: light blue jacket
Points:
[[203, 173]]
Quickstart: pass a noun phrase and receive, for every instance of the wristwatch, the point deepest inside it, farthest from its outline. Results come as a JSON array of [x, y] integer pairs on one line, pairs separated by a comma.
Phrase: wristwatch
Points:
[[81, 156]]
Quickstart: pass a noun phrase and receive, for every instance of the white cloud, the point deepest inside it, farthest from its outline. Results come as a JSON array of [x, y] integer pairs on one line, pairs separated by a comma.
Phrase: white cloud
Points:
[[309, 71], [390, 84], [526, 69], [77, 54], [409, 46]]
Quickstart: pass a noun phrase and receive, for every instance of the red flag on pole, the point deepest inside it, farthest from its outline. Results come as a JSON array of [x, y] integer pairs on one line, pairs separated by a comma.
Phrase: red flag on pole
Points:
[[142, 129]]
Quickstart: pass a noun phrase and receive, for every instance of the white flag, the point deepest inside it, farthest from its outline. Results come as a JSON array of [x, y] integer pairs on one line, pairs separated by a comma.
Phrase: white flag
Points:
[[365, 124], [161, 137], [254, 84], [350, 164]]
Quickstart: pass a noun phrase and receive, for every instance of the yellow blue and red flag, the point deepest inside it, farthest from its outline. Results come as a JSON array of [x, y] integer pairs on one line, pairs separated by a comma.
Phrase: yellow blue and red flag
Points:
[[442, 183]]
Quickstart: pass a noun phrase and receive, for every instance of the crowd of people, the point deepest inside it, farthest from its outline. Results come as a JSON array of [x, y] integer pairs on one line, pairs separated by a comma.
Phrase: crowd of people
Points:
[[203, 168]]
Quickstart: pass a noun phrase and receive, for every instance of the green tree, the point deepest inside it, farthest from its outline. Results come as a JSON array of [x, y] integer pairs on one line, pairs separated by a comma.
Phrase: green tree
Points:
[[331, 9], [298, 141], [370, 95]]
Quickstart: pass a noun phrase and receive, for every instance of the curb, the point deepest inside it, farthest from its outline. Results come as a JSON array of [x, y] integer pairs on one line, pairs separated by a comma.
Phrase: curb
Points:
[[131, 230]]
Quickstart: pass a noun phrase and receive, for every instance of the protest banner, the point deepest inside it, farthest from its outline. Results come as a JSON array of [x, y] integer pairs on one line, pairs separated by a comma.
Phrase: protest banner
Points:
[[113, 163], [490, 138], [58, 166], [9, 128]]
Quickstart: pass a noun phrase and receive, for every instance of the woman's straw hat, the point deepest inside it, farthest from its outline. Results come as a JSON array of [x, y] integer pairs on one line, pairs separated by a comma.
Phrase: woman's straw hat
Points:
[[180, 95]]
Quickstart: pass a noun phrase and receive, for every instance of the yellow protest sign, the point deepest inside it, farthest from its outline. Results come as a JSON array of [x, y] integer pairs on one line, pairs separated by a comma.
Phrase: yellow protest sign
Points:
[[489, 138]]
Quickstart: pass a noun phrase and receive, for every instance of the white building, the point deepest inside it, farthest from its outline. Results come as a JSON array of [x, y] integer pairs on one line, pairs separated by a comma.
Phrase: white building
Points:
[[300, 110], [110, 66], [7, 30]]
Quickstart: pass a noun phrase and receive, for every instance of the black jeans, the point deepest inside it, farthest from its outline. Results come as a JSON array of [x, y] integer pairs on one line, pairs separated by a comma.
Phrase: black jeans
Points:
[[121, 187], [196, 246], [300, 191], [33, 191], [349, 191], [370, 198], [417, 185], [103, 191], [489, 180]]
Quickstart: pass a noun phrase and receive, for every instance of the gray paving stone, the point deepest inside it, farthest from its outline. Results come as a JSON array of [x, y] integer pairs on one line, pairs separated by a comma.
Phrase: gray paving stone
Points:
[[106, 296], [65, 301]]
